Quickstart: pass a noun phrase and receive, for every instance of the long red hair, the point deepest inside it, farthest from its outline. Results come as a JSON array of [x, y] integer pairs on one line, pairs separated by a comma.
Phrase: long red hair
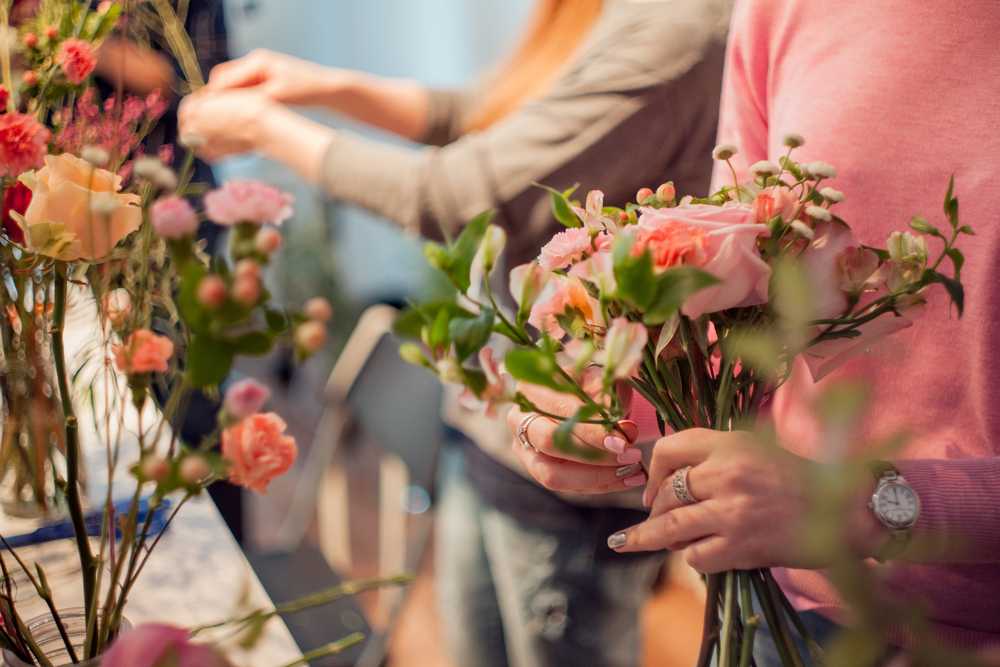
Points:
[[556, 30]]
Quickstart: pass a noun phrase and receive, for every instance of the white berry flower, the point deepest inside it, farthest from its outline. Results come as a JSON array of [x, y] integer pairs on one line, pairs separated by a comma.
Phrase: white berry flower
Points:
[[818, 213], [792, 139], [764, 168], [802, 229], [822, 170], [724, 151], [95, 156], [104, 204], [832, 196]]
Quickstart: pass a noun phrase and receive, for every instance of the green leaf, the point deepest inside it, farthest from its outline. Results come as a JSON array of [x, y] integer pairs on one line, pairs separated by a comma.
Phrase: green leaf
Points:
[[436, 256], [958, 259], [966, 229], [505, 329], [636, 283], [674, 287], [535, 367], [563, 439], [462, 254], [208, 360], [562, 209], [474, 380], [412, 321], [277, 323], [948, 198], [882, 253], [253, 344], [955, 289], [194, 314], [470, 334], [439, 330]]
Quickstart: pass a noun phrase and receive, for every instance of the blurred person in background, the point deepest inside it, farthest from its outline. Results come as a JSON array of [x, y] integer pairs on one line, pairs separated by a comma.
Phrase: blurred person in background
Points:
[[615, 94]]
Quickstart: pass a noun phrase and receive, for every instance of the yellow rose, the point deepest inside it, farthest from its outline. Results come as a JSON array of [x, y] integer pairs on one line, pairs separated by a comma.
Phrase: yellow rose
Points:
[[61, 222]]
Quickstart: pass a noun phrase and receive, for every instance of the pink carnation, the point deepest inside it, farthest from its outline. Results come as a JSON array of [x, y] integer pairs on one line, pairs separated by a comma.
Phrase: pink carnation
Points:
[[23, 143], [173, 218], [241, 200], [156, 644], [76, 59], [144, 352], [258, 450], [245, 398], [565, 248]]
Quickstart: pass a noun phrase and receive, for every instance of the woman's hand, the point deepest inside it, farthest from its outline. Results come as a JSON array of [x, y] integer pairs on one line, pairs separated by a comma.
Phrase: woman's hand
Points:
[[615, 465], [753, 503], [281, 77], [234, 121]]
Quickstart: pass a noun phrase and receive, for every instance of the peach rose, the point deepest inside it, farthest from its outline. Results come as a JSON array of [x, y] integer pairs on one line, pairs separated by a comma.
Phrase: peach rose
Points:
[[569, 292], [59, 222], [144, 352], [258, 451], [719, 240]]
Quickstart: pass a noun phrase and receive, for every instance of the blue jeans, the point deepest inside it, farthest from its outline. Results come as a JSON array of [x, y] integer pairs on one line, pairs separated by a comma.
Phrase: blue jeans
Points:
[[765, 653], [511, 594]]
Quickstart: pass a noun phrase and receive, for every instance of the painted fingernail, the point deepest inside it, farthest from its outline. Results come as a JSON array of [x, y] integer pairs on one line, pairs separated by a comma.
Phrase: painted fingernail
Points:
[[626, 471], [616, 541], [645, 498], [635, 480], [630, 456], [615, 444]]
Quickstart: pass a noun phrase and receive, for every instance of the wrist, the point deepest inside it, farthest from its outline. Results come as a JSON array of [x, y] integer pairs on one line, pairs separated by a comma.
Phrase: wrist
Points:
[[867, 536], [294, 140]]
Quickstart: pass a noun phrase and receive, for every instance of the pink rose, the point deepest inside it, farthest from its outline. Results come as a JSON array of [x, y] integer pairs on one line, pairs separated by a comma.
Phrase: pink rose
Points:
[[241, 200], [720, 241], [776, 200], [258, 451], [159, 645], [76, 59], [569, 247], [569, 293], [143, 352], [500, 387], [245, 398], [173, 218], [23, 143]]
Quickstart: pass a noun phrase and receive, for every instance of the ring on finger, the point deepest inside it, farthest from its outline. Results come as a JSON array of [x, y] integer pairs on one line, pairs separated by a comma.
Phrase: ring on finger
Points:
[[522, 431], [680, 484]]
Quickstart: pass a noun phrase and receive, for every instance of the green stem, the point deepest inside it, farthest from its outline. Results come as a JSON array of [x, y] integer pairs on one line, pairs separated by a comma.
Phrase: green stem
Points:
[[751, 621], [726, 634], [767, 606], [710, 633], [330, 649], [87, 563], [815, 651]]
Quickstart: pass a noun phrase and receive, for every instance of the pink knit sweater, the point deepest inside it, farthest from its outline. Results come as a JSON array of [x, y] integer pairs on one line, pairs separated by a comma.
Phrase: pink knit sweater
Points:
[[897, 95]]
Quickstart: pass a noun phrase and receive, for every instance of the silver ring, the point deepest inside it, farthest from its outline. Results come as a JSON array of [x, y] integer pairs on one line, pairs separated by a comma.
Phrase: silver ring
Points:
[[680, 482], [522, 430]]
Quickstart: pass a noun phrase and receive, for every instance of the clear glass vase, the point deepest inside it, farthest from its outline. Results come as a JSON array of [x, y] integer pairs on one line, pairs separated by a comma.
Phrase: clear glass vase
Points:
[[32, 443], [50, 641]]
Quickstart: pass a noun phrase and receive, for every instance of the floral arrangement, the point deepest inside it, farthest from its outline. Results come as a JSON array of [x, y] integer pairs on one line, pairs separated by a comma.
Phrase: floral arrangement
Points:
[[699, 306], [88, 218]]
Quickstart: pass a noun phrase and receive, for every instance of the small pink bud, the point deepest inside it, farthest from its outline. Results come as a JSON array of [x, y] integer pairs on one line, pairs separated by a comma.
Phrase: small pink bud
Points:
[[310, 336], [267, 241], [211, 292], [155, 468], [51, 32], [246, 268], [104, 6], [194, 469], [246, 290], [31, 40], [642, 195], [623, 215], [318, 309], [245, 398], [30, 78], [666, 193]]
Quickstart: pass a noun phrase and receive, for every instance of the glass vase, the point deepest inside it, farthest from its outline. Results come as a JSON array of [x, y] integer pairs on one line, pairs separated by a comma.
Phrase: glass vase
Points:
[[32, 443], [46, 633]]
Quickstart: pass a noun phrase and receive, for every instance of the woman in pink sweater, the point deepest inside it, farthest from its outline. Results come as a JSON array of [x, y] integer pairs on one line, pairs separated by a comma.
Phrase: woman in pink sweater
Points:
[[897, 95]]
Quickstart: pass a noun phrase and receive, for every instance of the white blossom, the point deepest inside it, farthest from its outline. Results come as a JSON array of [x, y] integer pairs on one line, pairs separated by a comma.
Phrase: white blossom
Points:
[[765, 168], [822, 170], [724, 151], [104, 204], [832, 196], [818, 213], [95, 156], [802, 229], [792, 139]]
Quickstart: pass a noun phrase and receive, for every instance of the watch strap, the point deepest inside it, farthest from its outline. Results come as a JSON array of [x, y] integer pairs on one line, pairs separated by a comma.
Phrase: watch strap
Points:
[[883, 469]]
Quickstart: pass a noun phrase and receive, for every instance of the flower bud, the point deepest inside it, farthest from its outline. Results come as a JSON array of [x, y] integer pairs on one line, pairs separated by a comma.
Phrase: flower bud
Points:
[[211, 292], [31, 40], [764, 168], [526, 284], [642, 195], [245, 398], [818, 213], [318, 309], [821, 170], [792, 140], [246, 290], [154, 468], [246, 268], [724, 151], [104, 204], [310, 336], [802, 229], [832, 196], [30, 78], [154, 171], [194, 469], [193, 141], [412, 354], [98, 157], [104, 6], [449, 371], [267, 241], [623, 347], [173, 218], [51, 32], [666, 193], [491, 246]]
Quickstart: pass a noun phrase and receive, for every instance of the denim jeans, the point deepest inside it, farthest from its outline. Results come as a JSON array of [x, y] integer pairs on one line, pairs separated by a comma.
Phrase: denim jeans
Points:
[[512, 594]]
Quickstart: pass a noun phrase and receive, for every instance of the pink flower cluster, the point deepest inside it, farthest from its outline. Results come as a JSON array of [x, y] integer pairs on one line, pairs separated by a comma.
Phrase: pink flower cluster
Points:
[[241, 200], [144, 352], [76, 59], [23, 143]]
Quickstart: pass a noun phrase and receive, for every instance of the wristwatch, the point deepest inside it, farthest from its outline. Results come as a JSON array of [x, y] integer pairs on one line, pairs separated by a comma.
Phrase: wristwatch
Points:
[[896, 505]]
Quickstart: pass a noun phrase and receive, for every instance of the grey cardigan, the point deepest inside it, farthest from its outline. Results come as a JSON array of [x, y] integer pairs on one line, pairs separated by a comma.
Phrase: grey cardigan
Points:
[[638, 106]]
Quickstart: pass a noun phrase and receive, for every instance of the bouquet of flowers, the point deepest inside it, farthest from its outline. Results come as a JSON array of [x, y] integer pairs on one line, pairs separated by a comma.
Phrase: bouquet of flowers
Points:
[[699, 305], [89, 219]]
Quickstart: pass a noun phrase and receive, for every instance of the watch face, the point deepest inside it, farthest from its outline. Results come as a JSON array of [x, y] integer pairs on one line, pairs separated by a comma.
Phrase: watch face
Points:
[[897, 504]]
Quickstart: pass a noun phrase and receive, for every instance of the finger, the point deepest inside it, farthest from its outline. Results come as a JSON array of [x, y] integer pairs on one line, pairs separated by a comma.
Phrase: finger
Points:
[[571, 477], [540, 433], [239, 73], [666, 500], [711, 555], [566, 405], [675, 451], [670, 530]]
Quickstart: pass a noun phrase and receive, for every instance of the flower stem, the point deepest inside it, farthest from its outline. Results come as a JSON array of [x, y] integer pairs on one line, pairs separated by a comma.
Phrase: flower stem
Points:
[[87, 563], [710, 633], [726, 634], [330, 649]]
